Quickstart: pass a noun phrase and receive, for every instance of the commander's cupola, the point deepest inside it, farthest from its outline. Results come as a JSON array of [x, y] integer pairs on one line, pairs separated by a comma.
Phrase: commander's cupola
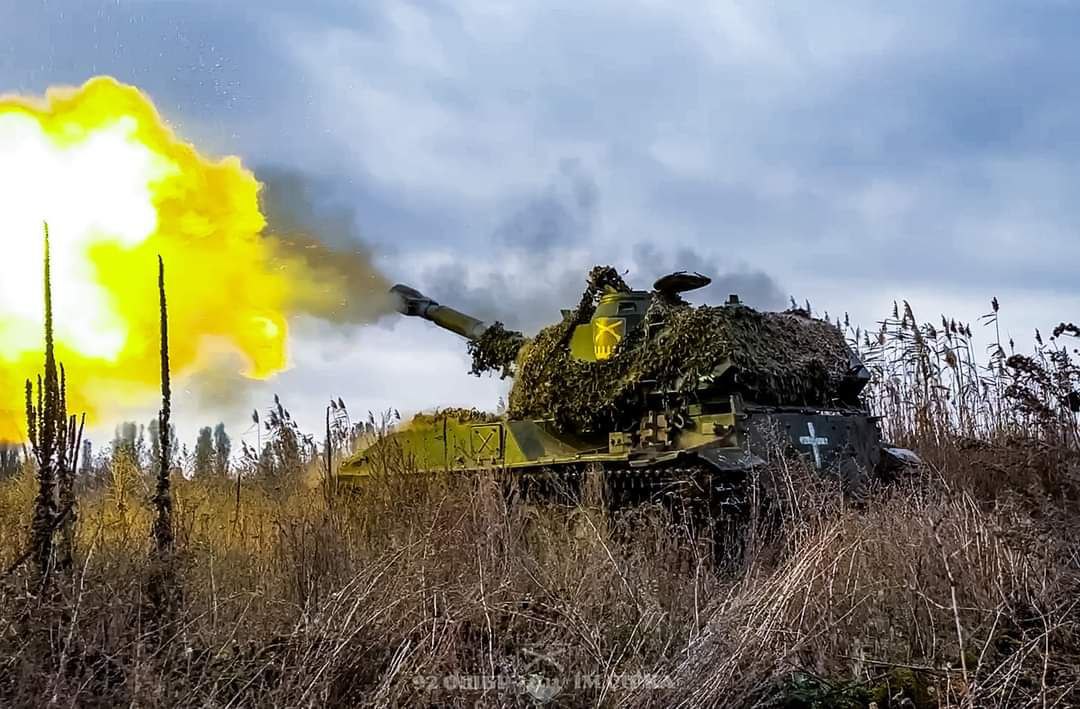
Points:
[[618, 313]]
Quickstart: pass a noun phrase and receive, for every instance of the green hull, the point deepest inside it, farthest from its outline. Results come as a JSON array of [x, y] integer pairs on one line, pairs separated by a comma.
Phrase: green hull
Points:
[[735, 440]]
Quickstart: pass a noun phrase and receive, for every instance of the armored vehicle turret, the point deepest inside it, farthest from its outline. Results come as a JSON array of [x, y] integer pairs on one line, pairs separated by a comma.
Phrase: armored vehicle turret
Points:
[[656, 393]]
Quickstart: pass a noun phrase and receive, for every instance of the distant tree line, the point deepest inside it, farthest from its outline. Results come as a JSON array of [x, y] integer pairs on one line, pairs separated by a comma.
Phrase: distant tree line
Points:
[[10, 459], [140, 446]]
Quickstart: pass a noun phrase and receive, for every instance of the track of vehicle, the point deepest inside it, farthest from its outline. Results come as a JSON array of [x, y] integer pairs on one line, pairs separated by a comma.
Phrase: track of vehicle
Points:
[[695, 494]]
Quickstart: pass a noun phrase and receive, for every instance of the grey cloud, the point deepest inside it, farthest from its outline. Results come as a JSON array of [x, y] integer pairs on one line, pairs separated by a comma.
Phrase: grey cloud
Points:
[[562, 215], [542, 276], [520, 300], [216, 70], [532, 279], [531, 296], [754, 287]]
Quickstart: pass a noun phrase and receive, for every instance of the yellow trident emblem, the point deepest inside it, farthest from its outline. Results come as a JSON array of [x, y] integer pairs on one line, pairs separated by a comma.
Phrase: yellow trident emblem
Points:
[[607, 332]]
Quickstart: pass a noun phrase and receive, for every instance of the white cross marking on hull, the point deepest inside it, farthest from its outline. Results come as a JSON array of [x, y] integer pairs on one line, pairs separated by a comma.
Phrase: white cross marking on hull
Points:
[[815, 442]]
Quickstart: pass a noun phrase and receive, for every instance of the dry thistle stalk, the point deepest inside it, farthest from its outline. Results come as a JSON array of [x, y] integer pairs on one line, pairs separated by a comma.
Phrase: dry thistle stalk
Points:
[[41, 425], [162, 581], [54, 444]]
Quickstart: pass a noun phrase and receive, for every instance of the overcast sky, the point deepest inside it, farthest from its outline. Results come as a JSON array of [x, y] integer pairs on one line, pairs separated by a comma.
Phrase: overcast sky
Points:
[[491, 152]]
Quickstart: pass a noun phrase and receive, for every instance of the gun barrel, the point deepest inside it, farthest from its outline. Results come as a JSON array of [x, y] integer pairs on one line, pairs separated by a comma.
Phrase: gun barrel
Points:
[[414, 303]]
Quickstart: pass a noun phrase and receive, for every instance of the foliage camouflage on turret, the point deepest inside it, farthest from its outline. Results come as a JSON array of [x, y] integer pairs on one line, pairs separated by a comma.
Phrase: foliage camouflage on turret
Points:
[[453, 412], [780, 358], [496, 351]]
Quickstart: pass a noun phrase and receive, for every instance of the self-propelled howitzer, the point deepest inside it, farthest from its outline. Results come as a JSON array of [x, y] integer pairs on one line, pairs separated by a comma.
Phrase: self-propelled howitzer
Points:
[[657, 394]]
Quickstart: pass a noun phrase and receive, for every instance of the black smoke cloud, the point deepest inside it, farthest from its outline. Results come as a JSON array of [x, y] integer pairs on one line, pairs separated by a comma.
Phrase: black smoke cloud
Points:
[[537, 280], [754, 287], [525, 302], [312, 222], [530, 280]]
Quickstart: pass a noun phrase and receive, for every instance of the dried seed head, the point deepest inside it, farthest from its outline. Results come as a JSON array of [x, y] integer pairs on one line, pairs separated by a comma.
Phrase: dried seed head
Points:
[[1067, 328]]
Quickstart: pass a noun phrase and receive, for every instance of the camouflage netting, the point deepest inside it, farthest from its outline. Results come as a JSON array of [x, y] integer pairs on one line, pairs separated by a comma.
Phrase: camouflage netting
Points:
[[458, 413], [780, 358], [496, 350]]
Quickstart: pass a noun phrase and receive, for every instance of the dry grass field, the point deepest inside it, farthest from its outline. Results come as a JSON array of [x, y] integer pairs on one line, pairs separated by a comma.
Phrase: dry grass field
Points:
[[956, 585]]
